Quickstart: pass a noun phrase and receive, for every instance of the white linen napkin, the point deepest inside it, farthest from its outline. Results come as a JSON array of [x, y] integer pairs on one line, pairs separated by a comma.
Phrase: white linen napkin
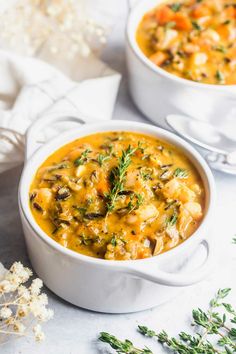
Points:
[[30, 88]]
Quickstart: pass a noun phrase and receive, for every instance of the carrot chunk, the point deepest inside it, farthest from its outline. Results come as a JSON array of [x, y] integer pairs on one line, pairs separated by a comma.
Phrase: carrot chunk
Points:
[[182, 22], [164, 14], [230, 12]]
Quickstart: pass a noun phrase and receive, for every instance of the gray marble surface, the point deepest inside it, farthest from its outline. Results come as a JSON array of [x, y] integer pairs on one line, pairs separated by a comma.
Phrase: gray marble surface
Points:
[[75, 331]]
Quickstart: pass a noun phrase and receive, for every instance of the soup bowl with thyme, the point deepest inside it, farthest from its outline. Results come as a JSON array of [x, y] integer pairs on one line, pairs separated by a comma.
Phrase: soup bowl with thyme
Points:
[[114, 212]]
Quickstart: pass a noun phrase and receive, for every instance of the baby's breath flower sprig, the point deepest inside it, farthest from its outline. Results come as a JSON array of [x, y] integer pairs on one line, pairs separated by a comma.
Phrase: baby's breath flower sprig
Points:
[[28, 26], [211, 322], [22, 308]]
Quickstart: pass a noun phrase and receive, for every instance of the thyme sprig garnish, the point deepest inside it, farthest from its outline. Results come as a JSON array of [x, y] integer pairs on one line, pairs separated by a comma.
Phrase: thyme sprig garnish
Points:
[[207, 323], [125, 346], [117, 177]]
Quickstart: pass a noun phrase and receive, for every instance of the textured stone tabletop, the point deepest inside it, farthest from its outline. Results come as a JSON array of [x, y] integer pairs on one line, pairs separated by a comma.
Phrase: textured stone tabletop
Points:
[[75, 331]]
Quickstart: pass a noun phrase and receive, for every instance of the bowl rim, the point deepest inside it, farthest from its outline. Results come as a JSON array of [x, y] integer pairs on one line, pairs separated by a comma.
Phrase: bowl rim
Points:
[[89, 129], [131, 41]]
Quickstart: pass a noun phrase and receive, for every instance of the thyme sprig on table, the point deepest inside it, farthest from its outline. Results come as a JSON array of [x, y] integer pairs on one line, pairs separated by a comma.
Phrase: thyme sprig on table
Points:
[[117, 177], [122, 346], [210, 322]]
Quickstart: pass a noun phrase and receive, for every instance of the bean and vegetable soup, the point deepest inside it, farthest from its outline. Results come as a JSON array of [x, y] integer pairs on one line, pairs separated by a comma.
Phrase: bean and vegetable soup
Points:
[[192, 39], [118, 196]]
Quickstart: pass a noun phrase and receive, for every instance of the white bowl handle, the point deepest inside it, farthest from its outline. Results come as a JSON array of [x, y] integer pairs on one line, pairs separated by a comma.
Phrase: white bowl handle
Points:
[[41, 123], [175, 279]]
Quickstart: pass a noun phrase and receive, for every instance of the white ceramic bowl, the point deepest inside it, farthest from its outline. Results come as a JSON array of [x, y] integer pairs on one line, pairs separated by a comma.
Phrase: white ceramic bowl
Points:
[[111, 286], [158, 93]]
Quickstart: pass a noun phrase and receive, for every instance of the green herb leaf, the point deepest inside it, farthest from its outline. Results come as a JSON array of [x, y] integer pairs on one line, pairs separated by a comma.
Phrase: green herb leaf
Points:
[[180, 173], [172, 220], [113, 241], [176, 6], [102, 158], [170, 25], [196, 26], [219, 76], [220, 48], [83, 158]]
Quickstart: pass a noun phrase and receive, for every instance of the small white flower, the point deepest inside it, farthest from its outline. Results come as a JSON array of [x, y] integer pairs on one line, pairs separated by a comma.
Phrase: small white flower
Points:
[[18, 273], [36, 286], [23, 311], [24, 293], [6, 286], [19, 327], [43, 299], [5, 312], [39, 335]]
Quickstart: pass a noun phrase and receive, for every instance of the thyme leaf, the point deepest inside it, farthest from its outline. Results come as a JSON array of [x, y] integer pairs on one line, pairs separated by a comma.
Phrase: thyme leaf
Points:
[[180, 173], [219, 76], [102, 158], [175, 7], [172, 220], [196, 26], [83, 158]]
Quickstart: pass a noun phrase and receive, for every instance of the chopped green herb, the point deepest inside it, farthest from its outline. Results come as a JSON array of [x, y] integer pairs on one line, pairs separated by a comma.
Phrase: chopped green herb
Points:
[[219, 76], [113, 241], [220, 48], [134, 205], [176, 6], [102, 158], [82, 210], [170, 24], [83, 158], [146, 174], [85, 240], [180, 173], [172, 220], [196, 26]]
